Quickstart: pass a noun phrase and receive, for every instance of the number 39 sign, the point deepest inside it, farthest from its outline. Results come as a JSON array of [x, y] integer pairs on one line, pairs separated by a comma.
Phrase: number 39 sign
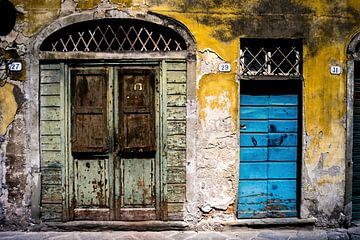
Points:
[[224, 67]]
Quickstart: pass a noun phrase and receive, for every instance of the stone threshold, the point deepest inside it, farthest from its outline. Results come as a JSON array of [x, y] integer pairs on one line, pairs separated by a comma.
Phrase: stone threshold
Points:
[[111, 226], [270, 222]]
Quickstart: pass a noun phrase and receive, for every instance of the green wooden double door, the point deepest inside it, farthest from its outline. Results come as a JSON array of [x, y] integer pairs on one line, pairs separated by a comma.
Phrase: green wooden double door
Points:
[[114, 163]]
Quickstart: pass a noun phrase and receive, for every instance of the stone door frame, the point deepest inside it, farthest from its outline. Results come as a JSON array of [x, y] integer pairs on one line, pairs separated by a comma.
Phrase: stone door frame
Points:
[[352, 56]]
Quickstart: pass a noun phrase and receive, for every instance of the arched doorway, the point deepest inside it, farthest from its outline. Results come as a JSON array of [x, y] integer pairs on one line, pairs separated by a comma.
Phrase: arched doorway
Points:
[[353, 129], [112, 116]]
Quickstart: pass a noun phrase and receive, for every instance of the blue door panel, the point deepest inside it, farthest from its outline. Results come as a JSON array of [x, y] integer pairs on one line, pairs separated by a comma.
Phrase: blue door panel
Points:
[[283, 100], [268, 156], [283, 126], [254, 100], [254, 113], [253, 140], [282, 210], [249, 170], [282, 140], [254, 126], [282, 191], [281, 153], [279, 170], [283, 112], [254, 191], [253, 154]]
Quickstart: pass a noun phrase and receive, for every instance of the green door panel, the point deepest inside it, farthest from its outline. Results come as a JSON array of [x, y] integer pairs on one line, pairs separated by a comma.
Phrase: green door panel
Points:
[[91, 183], [138, 183]]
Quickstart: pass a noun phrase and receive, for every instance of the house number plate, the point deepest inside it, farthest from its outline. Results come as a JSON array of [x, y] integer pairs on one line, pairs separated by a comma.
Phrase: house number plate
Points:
[[15, 66], [335, 70], [224, 67]]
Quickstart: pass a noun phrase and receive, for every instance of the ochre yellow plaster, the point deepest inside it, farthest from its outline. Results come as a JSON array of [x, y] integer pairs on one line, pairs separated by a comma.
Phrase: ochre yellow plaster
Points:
[[324, 93], [324, 7], [355, 4], [38, 13], [87, 4], [215, 86], [126, 3], [228, 51], [8, 107], [325, 103], [329, 180]]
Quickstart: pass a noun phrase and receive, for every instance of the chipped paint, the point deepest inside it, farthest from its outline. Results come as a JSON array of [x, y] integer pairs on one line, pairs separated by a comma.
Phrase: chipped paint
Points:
[[218, 91]]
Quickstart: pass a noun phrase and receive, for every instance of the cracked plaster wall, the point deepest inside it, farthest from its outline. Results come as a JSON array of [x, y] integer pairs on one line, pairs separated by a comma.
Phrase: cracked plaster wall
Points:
[[217, 29]]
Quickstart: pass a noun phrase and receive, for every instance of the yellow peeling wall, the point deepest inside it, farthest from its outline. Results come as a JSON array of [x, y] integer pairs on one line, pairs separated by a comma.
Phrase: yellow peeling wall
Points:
[[325, 28]]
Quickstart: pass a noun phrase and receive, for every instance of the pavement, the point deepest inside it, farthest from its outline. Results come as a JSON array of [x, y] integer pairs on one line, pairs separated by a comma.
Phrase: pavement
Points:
[[238, 234]]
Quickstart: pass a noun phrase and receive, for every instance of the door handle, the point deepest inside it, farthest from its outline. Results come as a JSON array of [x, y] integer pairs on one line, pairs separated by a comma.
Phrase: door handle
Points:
[[243, 126]]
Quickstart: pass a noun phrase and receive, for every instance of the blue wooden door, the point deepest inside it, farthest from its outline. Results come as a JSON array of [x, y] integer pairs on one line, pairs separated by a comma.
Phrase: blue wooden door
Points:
[[268, 156]]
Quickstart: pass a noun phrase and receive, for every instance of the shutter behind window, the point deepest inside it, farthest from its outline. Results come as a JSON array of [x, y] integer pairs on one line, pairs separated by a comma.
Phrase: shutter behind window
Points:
[[137, 110], [89, 128]]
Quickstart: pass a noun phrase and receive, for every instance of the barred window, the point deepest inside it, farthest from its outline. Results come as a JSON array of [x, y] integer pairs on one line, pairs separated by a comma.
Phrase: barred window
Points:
[[270, 57], [114, 35]]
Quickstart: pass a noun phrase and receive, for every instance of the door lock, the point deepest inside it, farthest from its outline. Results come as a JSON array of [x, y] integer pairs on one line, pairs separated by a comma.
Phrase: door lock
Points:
[[243, 126]]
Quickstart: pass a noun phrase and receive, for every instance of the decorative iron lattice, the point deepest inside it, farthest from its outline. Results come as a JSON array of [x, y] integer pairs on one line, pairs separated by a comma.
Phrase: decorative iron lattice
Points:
[[263, 57], [114, 35]]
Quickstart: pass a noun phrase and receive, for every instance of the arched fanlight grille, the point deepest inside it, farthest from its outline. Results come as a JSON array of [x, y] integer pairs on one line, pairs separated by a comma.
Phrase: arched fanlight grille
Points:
[[114, 35]]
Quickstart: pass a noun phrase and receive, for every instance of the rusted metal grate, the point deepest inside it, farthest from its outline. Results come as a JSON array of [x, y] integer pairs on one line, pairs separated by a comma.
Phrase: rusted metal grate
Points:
[[114, 35], [263, 57]]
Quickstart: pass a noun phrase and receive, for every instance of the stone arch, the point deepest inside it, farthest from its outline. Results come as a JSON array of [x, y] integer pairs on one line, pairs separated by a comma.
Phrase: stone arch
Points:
[[154, 18], [353, 55]]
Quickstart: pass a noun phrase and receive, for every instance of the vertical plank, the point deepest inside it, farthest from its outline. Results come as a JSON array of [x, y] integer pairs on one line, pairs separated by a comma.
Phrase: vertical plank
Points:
[[110, 125], [162, 173]]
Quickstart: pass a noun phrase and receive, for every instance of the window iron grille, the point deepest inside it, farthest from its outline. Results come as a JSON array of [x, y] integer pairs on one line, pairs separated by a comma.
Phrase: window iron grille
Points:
[[114, 35], [268, 57]]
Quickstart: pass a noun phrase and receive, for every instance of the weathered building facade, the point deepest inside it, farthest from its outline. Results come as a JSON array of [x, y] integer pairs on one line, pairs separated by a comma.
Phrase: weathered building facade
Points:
[[198, 113]]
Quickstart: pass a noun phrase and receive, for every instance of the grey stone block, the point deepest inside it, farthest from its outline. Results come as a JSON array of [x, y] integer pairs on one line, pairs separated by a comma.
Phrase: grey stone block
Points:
[[310, 235], [337, 236], [272, 235]]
